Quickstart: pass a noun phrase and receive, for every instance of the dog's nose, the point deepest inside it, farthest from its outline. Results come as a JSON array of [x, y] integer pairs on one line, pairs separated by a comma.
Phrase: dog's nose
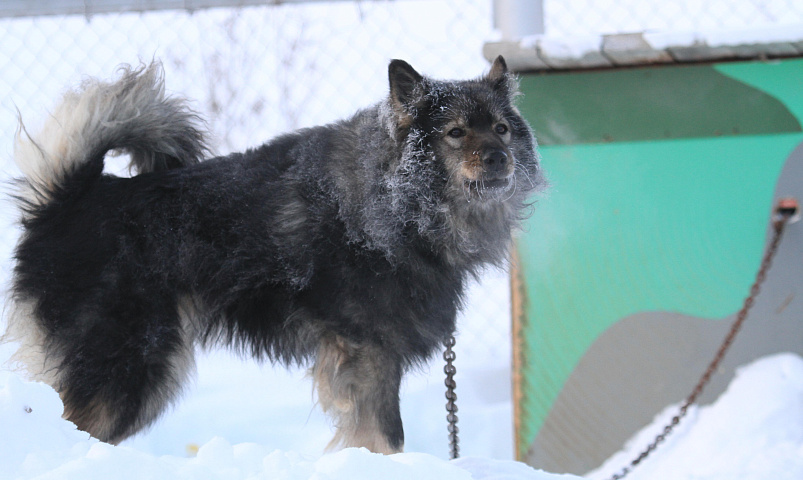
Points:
[[495, 161]]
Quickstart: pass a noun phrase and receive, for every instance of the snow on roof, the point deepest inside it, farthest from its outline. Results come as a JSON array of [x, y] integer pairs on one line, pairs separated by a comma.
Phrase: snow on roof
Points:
[[544, 52]]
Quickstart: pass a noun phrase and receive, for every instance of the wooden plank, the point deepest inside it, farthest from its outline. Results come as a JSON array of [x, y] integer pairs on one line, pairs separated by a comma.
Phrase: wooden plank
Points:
[[518, 316], [632, 49], [517, 57]]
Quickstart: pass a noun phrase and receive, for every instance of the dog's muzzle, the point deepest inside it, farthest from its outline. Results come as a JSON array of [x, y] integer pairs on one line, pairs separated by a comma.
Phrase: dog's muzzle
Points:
[[497, 171], [495, 165]]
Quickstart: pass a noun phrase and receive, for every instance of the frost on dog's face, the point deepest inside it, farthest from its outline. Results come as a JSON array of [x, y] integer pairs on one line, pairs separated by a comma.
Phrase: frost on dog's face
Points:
[[469, 130]]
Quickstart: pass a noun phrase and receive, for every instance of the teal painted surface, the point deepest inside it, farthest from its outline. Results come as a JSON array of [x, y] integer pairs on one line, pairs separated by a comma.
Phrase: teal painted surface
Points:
[[783, 80], [651, 104], [628, 227]]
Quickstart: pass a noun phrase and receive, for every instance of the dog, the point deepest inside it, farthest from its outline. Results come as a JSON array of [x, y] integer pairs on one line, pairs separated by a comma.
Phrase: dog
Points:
[[345, 247]]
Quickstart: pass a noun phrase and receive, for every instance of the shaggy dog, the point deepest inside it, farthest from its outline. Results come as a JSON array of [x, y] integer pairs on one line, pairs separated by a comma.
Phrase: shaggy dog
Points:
[[346, 246]]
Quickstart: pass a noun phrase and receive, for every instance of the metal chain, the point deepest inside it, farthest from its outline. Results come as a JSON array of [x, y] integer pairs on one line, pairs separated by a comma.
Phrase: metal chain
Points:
[[785, 212], [451, 398]]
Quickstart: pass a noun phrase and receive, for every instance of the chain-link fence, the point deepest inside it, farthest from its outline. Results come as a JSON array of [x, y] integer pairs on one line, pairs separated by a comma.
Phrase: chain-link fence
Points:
[[585, 17], [255, 72]]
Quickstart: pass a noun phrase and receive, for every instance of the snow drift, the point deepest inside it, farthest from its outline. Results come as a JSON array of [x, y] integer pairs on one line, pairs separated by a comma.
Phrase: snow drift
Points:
[[754, 431], [39, 444]]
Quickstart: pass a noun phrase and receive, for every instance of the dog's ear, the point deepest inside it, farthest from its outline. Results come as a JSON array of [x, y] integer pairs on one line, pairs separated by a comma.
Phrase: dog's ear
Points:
[[403, 83], [498, 76]]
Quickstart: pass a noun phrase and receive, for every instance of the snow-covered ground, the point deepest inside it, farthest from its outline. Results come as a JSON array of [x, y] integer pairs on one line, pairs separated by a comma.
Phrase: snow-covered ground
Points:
[[753, 432], [38, 444]]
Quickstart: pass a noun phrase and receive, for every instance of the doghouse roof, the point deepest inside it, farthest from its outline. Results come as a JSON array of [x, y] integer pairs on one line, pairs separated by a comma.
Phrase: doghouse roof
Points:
[[543, 53]]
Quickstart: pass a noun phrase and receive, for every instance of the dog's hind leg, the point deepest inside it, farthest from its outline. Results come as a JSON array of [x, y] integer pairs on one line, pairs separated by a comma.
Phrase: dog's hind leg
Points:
[[358, 385], [122, 373]]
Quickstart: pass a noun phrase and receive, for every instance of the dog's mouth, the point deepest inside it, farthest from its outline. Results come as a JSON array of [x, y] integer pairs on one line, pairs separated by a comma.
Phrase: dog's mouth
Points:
[[488, 188], [497, 183]]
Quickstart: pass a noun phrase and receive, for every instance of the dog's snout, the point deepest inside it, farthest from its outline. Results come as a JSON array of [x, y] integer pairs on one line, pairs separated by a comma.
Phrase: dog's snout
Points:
[[495, 163], [494, 159]]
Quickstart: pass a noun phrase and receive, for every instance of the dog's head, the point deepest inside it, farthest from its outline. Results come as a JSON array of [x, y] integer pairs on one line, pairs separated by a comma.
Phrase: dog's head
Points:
[[470, 131]]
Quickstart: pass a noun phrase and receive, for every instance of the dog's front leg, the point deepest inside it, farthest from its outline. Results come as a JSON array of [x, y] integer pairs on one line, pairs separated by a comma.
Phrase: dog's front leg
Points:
[[358, 386]]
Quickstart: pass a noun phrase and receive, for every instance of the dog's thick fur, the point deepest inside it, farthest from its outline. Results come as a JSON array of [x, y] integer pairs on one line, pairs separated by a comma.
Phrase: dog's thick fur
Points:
[[347, 245]]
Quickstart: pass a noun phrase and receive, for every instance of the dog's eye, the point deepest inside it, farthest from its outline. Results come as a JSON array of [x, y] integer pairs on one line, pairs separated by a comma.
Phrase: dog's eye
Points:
[[501, 128], [456, 132]]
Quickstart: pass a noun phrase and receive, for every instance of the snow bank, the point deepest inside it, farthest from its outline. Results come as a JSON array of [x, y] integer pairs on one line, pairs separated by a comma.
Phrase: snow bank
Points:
[[38, 444], [754, 431]]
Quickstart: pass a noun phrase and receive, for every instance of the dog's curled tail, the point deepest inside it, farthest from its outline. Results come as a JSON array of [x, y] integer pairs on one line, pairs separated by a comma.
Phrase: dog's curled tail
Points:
[[131, 115]]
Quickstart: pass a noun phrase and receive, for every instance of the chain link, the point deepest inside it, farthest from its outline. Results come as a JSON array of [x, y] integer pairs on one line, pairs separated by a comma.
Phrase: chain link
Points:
[[451, 398], [785, 212]]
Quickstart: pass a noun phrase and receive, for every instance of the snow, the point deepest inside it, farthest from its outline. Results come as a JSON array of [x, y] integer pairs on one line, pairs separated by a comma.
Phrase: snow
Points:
[[754, 431], [558, 47], [725, 37], [45, 446]]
